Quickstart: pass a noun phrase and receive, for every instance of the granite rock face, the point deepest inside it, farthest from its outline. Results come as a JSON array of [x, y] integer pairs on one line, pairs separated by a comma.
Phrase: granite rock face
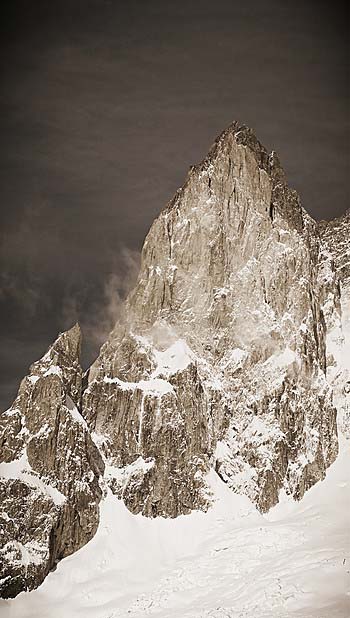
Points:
[[219, 362], [49, 470], [335, 267], [220, 359]]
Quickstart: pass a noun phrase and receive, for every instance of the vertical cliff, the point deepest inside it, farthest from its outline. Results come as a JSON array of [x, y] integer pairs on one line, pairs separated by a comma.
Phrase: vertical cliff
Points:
[[49, 470], [220, 358], [335, 273]]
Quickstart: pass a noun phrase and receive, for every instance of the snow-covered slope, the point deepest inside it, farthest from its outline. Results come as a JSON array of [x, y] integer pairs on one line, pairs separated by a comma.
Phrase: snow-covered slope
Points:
[[231, 562]]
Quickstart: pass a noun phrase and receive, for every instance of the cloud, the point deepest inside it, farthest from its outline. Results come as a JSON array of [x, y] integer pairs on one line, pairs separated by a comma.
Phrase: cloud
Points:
[[105, 308], [17, 293], [116, 287]]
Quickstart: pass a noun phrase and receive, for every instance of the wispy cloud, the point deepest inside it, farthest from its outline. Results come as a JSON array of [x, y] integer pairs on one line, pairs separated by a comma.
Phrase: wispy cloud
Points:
[[105, 309]]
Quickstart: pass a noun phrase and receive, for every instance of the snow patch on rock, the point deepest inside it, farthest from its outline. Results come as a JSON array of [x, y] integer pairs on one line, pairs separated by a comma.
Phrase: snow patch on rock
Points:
[[20, 469]]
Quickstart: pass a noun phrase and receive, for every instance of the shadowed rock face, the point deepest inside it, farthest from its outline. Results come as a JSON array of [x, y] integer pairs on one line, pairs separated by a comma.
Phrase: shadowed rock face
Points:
[[219, 362], [50, 470]]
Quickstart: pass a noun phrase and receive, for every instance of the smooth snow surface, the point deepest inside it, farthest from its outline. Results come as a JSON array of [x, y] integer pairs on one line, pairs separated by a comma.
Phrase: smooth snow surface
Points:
[[231, 562]]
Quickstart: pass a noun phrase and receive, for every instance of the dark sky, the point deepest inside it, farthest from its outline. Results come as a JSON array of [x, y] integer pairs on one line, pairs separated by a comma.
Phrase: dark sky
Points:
[[105, 104]]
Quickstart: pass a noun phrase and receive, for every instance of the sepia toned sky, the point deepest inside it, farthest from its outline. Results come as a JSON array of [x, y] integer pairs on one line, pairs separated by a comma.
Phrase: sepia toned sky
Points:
[[104, 106]]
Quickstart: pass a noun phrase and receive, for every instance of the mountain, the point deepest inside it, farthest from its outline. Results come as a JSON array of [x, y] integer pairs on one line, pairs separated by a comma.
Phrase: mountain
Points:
[[223, 362], [50, 470]]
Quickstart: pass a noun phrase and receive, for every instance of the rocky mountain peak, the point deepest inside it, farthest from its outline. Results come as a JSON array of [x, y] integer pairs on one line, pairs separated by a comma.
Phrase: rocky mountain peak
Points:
[[218, 366], [236, 147], [243, 135], [229, 290], [49, 469], [68, 344]]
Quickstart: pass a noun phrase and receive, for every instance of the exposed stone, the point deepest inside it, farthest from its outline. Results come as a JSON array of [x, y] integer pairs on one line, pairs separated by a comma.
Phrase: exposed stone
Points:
[[335, 272], [230, 267], [219, 361], [50, 467]]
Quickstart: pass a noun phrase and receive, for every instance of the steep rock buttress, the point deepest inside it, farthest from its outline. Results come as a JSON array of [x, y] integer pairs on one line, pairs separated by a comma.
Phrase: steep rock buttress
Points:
[[49, 470], [220, 359]]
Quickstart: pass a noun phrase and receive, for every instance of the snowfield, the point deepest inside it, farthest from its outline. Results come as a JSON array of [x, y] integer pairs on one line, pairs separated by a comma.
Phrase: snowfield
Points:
[[231, 562]]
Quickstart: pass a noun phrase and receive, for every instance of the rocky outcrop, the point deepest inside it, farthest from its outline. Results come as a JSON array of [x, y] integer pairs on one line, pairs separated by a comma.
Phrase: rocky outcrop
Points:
[[335, 241], [229, 290], [49, 470], [335, 272], [219, 361]]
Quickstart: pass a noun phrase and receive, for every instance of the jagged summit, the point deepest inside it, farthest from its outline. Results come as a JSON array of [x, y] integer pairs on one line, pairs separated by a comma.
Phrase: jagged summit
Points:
[[245, 136], [229, 275], [69, 342], [49, 470], [224, 147], [218, 366]]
